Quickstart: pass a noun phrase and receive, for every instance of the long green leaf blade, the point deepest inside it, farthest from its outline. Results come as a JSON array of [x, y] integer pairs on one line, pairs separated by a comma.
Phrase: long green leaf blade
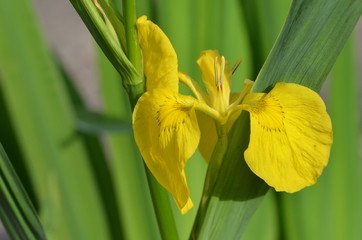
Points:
[[44, 121], [313, 36], [16, 210]]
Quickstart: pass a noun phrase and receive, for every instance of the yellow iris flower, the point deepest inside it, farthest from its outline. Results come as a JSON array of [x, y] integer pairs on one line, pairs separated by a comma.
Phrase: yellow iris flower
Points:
[[291, 132]]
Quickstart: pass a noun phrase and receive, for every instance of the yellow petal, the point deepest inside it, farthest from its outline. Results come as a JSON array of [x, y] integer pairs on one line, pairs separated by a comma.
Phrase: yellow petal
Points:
[[291, 136], [208, 137], [167, 134], [206, 64], [159, 57]]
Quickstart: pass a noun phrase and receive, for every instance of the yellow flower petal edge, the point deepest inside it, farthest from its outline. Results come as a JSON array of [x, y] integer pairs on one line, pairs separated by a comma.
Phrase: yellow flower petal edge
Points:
[[167, 134], [159, 57], [291, 136]]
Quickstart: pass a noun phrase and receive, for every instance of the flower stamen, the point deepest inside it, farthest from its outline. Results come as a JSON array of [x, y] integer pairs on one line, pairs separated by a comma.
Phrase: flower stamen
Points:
[[216, 72], [222, 72], [219, 77], [236, 65]]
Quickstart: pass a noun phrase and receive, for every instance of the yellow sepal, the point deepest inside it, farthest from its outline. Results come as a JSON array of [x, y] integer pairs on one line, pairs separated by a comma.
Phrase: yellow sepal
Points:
[[159, 57], [167, 134], [291, 136]]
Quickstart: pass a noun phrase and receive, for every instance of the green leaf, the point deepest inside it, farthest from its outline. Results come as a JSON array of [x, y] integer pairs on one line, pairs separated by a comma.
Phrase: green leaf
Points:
[[96, 123], [265, 218], [264, 20], [312, 37], [16, 210], [111, 45], [11, 144], [44, 122]]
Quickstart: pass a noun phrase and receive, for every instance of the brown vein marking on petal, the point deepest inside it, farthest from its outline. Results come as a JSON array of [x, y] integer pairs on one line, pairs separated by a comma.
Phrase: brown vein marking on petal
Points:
[[269, 113], [171, 116]]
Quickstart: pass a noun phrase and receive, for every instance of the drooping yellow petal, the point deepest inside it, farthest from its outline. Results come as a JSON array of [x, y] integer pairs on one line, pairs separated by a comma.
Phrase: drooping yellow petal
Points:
[[159, 57], [291, 136], [207, 65], [167, 134]]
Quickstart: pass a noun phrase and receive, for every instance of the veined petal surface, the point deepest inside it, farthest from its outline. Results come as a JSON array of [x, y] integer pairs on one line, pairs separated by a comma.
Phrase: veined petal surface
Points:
[[291, 136], [167, 134], [159, 57]]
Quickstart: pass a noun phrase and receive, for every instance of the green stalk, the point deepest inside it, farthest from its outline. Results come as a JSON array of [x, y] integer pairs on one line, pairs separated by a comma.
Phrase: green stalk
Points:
[[162, 207], [159, 195], [133, 51]]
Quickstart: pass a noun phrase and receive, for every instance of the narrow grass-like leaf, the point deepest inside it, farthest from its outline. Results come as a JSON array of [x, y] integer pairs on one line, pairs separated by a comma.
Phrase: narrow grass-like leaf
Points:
[[99, 26], [16, 210], [304, 53], [44, 123], [104, 36], [11, 144]]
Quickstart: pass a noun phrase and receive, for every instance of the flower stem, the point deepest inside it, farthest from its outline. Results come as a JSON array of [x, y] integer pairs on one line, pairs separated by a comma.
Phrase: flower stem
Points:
[[137, 84], [133, 49], [160, 198], [161, 204]]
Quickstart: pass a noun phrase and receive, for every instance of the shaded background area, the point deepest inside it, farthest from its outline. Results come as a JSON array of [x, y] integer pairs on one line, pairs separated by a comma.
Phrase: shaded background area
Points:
[[74, 47]]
